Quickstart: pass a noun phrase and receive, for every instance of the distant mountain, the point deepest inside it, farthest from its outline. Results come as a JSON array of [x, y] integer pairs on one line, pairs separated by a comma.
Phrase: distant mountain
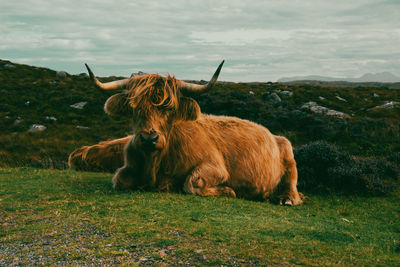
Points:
[[383, 77]]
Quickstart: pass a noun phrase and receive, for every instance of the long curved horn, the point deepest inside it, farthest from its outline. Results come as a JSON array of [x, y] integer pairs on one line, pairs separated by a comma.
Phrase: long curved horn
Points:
[[106, 86], [197, 88]]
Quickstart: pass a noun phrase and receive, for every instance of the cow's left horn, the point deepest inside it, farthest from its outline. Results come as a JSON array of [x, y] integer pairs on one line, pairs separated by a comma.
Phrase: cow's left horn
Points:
[[192, 87], [106, 86]]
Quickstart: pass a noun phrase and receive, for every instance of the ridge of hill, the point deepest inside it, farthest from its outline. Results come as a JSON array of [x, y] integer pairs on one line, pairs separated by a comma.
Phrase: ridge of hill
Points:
[[381, 77]]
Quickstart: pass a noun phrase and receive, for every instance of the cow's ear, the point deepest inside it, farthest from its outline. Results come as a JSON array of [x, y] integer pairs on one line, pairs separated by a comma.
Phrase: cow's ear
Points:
[[118, 105], [188, 109]]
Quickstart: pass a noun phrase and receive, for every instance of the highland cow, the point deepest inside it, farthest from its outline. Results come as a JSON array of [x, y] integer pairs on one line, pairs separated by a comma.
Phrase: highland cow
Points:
[[176, 147]]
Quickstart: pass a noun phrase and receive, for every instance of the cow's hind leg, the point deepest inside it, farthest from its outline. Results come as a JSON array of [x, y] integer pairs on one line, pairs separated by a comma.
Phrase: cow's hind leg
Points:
[[286, 192], [208, 180]]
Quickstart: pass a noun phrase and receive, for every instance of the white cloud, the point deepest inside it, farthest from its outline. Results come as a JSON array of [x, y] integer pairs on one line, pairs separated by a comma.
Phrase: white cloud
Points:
[[260, 40]]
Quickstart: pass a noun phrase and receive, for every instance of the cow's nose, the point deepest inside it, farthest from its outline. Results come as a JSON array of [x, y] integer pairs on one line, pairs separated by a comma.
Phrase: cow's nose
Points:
[[148, 139]]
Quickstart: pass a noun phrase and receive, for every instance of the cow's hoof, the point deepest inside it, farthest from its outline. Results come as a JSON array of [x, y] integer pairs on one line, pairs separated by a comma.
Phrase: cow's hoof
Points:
[[285, 202], [228, 192]]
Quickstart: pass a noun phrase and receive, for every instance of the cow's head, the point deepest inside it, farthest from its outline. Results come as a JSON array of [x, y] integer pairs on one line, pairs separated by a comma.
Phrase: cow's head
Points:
[[155, 103]]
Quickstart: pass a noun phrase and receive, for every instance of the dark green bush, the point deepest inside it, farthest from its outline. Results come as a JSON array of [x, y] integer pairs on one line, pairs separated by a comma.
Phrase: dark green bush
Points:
[[323, 168]]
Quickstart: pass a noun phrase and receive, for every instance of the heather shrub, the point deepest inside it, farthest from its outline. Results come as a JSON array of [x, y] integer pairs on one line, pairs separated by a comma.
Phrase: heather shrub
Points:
[[323, 168], [395, 158]]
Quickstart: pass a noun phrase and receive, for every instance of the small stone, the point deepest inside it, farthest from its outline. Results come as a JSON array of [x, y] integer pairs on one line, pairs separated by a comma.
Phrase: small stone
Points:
[[346, 220], [27, 103], [198, 250], [375, 95], [18, 120], [50, 119], [37, 128], [341, 99], [251, 92], [321, 98], [79, 105], [162, 252], [82, 127]]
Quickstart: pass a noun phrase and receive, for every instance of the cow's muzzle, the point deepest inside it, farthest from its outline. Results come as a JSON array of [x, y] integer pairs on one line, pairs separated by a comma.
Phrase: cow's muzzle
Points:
[[149, 140]]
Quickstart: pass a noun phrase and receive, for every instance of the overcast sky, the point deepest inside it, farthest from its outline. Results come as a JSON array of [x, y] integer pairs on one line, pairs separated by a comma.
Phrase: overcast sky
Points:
[[260, 40]]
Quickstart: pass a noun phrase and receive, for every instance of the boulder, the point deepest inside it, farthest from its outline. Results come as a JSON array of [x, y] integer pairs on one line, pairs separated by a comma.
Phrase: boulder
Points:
[[61, 74]]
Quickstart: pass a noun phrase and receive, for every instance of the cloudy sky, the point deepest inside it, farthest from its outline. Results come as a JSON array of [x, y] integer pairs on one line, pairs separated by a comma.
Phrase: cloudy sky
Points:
[[260, 40]]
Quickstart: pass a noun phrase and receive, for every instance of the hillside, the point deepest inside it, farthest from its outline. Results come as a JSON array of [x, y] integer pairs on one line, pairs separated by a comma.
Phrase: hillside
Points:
[[31, 95]]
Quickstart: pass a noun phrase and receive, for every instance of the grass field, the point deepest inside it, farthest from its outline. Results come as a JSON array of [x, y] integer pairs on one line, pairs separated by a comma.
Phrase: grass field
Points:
[[71, 218]]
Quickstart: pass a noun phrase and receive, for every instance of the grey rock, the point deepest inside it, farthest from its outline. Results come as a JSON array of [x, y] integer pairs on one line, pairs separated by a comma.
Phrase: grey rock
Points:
[[390, 104], [50, 119], [37, 128], [27, 103], [273, 97], [82, 127], [18, 120], [251, 92], [341, 99], [61, 74], [78, 105], [375, 95], [285, 93], [9, 66], [139, 73], [321, 98], [314, 107]]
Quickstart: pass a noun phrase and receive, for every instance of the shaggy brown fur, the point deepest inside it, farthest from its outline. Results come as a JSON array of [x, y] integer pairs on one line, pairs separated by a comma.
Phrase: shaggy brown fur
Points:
[[201, 154]]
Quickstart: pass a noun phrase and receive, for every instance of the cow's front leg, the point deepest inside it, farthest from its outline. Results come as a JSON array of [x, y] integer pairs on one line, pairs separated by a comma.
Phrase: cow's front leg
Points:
[[124, 178], [129, 176], [207, 180]]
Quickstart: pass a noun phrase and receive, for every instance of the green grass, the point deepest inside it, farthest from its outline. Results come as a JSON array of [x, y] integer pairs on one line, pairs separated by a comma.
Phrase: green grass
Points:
[[56, 217]]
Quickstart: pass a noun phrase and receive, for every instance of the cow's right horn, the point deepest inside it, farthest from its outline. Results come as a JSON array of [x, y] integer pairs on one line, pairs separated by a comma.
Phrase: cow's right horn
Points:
[[197, 88], [107, 86]]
